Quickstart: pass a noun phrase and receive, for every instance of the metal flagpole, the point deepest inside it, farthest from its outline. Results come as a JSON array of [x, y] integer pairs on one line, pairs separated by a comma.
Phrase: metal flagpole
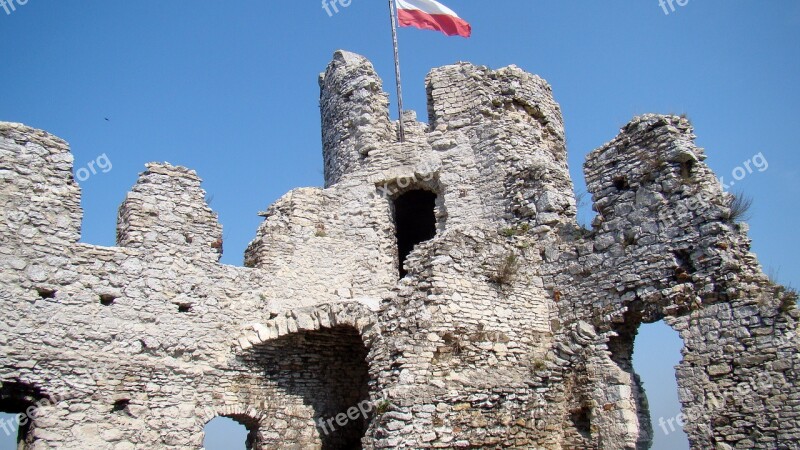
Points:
[[392, 12]]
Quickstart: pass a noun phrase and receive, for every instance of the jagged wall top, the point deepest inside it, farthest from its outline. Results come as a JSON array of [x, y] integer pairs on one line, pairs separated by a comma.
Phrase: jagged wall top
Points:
[[41, 201], [463, 94], [355, 113], [355, 110], [167, 209]]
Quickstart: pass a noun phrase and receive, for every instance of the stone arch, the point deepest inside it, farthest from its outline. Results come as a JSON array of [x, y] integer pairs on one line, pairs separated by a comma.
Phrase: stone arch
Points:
[[313, 370], [251, 418], [621, 352], [313, 318], [424, 178]]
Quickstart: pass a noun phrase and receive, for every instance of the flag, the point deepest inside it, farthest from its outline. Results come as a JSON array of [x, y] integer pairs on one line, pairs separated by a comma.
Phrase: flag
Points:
[[431, 15]]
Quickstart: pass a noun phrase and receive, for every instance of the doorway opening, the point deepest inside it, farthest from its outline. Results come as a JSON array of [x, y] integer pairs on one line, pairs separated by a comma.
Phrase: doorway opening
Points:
[[325, 369], [657, 350], [229, 433], [415, 222]]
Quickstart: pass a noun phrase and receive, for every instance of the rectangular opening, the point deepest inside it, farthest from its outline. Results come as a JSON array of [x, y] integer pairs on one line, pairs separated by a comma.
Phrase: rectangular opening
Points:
[[415, 222]]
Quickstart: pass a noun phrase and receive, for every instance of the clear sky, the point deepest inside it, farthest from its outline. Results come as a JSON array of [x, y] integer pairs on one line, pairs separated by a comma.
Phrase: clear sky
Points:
[[230, 89]]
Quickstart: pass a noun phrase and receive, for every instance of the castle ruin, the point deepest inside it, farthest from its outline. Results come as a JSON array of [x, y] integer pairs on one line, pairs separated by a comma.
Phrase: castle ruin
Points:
[[444, 280]]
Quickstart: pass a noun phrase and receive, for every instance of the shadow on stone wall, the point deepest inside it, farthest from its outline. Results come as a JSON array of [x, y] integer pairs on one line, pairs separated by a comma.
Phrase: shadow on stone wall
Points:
[[325, 369]]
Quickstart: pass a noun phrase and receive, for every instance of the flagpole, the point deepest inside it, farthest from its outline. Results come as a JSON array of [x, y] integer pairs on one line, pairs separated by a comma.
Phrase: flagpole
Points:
[[392, 11]]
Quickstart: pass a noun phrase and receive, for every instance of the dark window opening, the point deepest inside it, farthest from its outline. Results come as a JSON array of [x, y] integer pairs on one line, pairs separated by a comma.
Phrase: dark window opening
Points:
[[415, 222], [106, 299], [686, 169], [581, 420], [120, 405], [684, 266], [184, 307], [621, 184]]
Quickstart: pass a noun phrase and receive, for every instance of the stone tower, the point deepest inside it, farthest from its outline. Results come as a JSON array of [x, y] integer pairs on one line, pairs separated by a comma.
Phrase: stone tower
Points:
[[437, 293]]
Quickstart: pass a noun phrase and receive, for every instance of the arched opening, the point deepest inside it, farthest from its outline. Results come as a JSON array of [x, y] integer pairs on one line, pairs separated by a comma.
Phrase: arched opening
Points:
[[19, 405], [322, 377], [415, 222], [657, 350], [10, 434], [229, 433]]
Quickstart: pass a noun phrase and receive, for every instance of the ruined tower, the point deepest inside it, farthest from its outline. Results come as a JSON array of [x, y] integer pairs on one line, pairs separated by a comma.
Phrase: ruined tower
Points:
[[443, 281]]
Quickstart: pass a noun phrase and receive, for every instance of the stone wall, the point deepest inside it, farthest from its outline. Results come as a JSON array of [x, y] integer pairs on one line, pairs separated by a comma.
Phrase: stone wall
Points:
[[512, 328], [166, 209]]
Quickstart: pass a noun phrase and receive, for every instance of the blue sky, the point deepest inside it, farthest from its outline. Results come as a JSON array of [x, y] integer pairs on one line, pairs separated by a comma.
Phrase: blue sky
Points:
[[230, 89]]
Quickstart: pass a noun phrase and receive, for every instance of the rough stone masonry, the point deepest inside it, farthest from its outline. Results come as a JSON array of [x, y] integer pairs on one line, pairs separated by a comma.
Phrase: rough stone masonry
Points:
[[444, 279]]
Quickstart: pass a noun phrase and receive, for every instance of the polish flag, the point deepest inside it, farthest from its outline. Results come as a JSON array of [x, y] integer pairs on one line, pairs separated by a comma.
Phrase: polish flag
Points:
[[431, 15]]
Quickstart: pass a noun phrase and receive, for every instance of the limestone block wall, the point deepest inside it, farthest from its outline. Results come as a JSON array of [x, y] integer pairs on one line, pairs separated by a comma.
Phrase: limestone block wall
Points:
[[41, 200], [495, 142], [341, 240], [355, 114], [665, 246], [516, 135], [134, 347], [464, 341], [167, 209]]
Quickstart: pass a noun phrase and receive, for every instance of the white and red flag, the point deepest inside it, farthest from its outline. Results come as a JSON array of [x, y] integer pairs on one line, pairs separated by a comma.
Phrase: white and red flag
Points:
[[431, 15]]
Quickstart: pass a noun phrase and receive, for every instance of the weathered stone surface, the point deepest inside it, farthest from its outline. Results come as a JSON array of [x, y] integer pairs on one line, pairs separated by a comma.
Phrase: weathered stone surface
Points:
[[512, 327]]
